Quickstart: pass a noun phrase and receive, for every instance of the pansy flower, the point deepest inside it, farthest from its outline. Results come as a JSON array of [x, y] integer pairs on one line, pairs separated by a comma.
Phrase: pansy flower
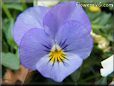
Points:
[[54, 41]]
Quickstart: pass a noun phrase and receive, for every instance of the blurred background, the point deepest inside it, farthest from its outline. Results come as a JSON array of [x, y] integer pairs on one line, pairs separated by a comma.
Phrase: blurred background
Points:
[[102, 20]]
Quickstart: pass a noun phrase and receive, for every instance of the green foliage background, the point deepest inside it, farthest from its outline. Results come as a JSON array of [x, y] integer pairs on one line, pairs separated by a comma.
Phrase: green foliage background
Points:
[[89, 73]]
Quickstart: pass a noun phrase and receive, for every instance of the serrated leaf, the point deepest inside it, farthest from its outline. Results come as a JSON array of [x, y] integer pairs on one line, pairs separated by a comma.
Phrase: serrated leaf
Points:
[[10, 60]]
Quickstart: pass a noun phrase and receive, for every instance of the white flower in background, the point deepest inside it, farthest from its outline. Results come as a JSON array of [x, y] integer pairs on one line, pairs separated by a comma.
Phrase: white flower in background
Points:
[[46, 3], [108, 66]]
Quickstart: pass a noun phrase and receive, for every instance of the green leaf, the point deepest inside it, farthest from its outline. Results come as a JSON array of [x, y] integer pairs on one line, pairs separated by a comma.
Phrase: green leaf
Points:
[[104, 18], [102, 81], [10, 60], [7, 29], [76, 75], [16, 6], [5, 9], [103, 24], [9, 33], [4, 46]]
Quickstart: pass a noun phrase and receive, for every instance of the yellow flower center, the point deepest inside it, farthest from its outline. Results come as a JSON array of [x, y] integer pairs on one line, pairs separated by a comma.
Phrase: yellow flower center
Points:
[[57, 54]]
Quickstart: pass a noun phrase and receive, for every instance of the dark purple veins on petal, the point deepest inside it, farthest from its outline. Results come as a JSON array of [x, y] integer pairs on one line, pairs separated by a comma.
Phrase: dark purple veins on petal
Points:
[[64, 44]]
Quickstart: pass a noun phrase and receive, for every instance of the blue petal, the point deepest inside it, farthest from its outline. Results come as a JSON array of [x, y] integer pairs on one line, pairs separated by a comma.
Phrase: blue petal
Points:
[[34, 45], [30, 18], [63, 12], [59, 71], [73, 37]]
